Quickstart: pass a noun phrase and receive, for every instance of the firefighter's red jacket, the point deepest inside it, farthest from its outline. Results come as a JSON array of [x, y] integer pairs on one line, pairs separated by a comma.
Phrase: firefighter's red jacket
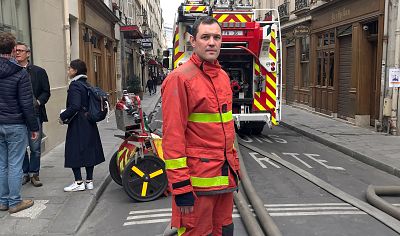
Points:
[[198, 129]]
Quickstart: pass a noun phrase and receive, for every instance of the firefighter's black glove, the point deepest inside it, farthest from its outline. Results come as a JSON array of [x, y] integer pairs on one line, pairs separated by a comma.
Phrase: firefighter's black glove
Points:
[[185, 199]]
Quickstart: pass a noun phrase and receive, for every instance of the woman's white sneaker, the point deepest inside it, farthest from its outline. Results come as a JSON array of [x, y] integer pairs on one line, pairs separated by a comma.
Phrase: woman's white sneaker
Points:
[[89, 185], [75, 187]]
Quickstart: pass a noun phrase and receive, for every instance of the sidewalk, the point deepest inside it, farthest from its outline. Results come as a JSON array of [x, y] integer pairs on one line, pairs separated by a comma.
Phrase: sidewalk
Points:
[[379, 150], [56, 212]]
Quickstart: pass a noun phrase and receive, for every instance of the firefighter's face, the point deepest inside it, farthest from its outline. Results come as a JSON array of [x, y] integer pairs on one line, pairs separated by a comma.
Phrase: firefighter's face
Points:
[[207, 43]]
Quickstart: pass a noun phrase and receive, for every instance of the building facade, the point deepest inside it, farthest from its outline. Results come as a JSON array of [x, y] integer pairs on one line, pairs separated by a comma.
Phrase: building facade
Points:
[[142, 39], [61, 31], [332, 53]]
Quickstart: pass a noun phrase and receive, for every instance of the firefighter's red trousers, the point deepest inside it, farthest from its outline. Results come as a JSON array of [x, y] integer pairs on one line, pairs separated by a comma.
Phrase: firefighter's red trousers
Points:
[[212, 215]]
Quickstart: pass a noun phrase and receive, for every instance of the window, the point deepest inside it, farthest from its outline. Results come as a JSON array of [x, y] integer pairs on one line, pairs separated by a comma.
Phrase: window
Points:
[[331, 67], [14, 18], [304, 61], [326, 58], [130, 12]]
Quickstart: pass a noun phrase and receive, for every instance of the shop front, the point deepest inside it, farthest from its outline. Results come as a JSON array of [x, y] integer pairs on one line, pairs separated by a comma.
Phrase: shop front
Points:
[[296, 72], [346, 49], [98, 45]]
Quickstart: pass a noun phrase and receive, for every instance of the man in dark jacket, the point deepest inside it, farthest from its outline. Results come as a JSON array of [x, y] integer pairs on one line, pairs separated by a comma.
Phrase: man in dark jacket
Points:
[[150, 85], [16, 113], [41, 93]]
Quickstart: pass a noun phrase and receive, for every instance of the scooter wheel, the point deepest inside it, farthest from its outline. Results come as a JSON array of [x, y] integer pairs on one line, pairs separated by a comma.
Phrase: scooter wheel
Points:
[[114, 170], [146, 180]]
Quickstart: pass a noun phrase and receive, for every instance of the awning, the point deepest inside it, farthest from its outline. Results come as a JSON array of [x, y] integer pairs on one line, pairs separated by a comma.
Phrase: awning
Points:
[[153, 62], [131, 32]]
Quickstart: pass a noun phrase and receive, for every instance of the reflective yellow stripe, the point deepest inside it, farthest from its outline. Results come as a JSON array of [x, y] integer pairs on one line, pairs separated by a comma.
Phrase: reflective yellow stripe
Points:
[[210, 117], [144, 189], [137, 171], [156, 173], [181, 231], [175, 163], [210, 182]]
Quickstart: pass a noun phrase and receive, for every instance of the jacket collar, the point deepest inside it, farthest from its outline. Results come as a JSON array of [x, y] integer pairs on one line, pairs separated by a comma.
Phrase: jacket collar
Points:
[[210, 69]]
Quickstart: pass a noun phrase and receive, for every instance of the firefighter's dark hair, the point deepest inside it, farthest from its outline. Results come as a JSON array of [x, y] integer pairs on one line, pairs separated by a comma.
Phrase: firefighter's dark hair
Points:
[[79, 66], [207, 20], [7, 43]]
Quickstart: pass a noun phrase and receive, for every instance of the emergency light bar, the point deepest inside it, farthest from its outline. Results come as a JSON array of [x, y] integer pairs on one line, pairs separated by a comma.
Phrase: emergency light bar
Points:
[[233, 24]]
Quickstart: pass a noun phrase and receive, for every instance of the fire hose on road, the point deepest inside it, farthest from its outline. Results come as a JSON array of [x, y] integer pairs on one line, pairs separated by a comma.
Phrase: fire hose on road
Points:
[[264, 218]]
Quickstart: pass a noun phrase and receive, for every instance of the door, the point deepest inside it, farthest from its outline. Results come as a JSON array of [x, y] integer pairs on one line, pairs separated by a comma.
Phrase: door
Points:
[[346, 100]]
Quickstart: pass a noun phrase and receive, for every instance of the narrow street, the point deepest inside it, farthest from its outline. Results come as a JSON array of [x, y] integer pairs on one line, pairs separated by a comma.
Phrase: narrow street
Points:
[[297, 206]]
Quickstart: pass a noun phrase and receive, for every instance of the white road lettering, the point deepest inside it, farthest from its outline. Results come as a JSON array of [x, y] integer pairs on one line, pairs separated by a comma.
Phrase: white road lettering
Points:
[[277, 139], [294, 155], [322, 162], [261, 159], [260, 141], [265, 139], [246, 139]]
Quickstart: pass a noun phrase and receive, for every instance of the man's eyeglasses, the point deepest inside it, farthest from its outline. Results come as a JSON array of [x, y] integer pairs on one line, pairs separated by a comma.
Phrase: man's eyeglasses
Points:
[[21, 50]]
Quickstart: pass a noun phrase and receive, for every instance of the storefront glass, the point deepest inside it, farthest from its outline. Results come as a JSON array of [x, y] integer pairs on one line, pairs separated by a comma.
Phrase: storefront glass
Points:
[[14, 18]]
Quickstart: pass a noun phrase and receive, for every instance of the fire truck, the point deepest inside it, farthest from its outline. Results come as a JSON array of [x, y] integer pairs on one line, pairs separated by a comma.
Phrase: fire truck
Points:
[[250, 54]]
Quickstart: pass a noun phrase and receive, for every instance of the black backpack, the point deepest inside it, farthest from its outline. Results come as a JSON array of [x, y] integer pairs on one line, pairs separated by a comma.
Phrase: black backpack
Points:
[[98, 107]]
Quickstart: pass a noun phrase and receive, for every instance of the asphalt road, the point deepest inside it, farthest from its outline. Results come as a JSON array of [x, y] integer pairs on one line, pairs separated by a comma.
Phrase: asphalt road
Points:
[[297, 206]]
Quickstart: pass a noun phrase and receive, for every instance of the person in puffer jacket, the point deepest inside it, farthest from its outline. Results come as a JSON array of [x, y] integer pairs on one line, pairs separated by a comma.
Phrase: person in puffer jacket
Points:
[[16, 115], [198, 136]]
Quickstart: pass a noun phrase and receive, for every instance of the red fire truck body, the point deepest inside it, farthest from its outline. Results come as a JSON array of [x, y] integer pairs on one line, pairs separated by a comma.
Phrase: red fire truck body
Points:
[[250, 54]]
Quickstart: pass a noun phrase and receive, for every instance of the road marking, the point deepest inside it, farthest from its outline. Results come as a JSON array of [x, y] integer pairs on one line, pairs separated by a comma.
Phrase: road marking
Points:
[[277, 210], [259, 159], [34, 211], [307, 204], [318, 213], [294, 155], [148, 216], [145, 222], [149, 211]]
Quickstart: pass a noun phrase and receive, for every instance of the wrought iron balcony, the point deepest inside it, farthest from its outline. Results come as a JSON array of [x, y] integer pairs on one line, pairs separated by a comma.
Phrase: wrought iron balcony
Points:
[[283, 10], [301, 6]]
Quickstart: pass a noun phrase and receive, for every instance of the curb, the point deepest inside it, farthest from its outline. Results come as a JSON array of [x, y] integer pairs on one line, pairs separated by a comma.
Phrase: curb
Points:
[[93, 202], [341, 148]]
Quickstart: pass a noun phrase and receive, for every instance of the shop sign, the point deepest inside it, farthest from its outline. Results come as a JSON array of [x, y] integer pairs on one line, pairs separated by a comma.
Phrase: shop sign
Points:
[[301, 30], [394, 78], [147, 43]]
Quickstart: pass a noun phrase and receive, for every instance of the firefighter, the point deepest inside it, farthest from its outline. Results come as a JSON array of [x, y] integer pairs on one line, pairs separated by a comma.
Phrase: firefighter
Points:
[[198, 136]]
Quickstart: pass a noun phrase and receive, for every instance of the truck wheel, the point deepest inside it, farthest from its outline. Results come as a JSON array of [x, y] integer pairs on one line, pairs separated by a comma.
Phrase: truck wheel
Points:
[[146, 180], [114, 170]]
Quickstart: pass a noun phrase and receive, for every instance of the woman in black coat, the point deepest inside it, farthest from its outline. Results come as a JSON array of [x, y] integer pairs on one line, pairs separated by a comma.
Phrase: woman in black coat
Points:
[[82, 145]]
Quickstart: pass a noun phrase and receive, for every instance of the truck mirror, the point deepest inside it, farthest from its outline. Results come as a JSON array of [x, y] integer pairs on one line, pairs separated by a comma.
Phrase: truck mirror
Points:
[[165, 62]]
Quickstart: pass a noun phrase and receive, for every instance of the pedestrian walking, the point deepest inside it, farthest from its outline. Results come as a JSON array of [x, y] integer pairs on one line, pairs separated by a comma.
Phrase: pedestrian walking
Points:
[[41, 92], [198, 136], [17, 117], [83, 146], [155, 83], [149, 85]]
